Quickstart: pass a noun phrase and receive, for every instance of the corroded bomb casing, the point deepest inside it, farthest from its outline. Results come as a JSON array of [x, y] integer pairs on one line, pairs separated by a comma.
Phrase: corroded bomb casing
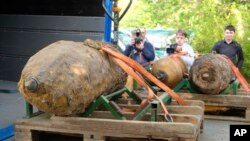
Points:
[[169, 70], [65, 77], [210, 73]]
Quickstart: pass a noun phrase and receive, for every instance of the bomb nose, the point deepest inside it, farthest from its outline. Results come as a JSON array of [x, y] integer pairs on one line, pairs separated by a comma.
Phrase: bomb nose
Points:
[[31, 84], [205, 76], [161, 75]]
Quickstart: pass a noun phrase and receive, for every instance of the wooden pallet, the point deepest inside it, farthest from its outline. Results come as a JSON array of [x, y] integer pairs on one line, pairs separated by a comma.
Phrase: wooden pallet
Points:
[[239, 103], [240, 91], [101, 126]]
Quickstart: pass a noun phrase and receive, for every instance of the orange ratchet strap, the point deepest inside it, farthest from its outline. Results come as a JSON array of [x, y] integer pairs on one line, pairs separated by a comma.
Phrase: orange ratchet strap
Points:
[[142, 71], [239, 76], [177, 61], [131, 72]]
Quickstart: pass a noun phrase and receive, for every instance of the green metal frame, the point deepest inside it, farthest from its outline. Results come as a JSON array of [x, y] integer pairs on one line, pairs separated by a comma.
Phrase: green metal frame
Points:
[[154, 105], [102, 100], [234, 86], [185, 83], [135, 84], [30, 111], [107, 102]]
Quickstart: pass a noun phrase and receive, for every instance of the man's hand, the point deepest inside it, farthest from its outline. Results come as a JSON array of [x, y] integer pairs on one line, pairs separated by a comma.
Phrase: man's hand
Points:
[[140, 46], [178, 49], [132, 41]]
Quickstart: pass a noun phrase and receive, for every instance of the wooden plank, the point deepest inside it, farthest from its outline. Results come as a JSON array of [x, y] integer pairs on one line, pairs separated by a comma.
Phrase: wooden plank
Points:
[[239, 92], [125, 127], [143, 95], [173, 109], [22, 134], [186, 126], [192, 110], [219, 100], [242, 91], [93, 137], [178, 118], [247, 116], [109, 127], [176, 109], [150, 139], [228, 118], [189, 102]]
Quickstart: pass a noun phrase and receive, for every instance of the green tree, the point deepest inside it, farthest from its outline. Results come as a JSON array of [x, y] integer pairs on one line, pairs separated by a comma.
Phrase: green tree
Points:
[[206, 18]]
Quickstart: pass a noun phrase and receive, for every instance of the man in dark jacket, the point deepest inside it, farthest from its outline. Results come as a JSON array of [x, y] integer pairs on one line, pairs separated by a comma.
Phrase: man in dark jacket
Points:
[[139, 50], [229, 47]]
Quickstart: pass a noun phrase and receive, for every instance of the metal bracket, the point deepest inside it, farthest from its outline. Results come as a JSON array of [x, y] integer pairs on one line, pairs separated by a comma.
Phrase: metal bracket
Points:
[[109, 104], [185, 83], [153, 105]]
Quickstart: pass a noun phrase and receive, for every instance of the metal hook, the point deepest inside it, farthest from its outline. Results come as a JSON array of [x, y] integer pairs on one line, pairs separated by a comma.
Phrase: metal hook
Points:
[[168, 118]]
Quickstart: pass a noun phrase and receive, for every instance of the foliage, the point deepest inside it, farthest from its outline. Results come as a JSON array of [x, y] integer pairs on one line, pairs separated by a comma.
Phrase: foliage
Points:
[[207, 18]]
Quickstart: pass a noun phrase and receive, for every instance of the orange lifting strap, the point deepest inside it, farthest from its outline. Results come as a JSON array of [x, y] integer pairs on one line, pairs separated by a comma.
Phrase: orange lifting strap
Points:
[[130, 62], [238, 75], [174, 57], [131, 72]]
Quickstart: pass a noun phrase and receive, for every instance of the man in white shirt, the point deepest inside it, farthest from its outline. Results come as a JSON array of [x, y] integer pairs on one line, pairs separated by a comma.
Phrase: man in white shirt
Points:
[[184, 49]]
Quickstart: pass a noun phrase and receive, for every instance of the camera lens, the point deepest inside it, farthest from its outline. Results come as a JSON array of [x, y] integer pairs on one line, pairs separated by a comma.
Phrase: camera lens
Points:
[[138, 32]]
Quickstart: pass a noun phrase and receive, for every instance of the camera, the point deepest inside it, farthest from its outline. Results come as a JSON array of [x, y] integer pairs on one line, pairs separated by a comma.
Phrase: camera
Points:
[[138, 40], [174, 46], [171, 49], [138, 32]]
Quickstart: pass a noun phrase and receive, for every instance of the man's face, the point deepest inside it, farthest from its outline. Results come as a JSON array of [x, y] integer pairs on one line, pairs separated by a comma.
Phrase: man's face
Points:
[[229, 35], [143, 33], [139, 45], [180, 39]]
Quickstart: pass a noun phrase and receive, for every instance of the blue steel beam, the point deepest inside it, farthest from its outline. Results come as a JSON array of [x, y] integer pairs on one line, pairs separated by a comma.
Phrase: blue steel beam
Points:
[[7, 132], [108, 21]]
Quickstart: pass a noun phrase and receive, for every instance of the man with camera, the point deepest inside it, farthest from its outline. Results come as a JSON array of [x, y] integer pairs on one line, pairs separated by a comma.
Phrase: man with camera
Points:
[[140, 50], [182, 48]]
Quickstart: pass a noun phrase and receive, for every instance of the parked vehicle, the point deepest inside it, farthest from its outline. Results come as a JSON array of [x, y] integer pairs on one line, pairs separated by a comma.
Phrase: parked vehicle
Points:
[[160, 38], [124, 37]]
